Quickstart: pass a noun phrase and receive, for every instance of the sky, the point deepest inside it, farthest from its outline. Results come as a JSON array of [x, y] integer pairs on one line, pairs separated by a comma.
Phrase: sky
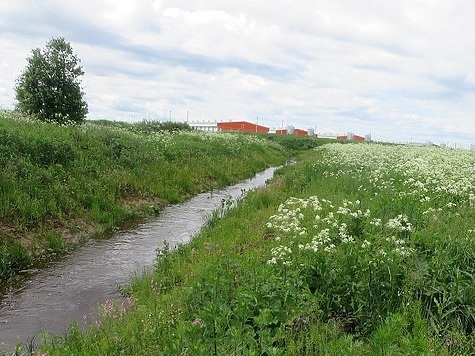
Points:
[[401, 70]]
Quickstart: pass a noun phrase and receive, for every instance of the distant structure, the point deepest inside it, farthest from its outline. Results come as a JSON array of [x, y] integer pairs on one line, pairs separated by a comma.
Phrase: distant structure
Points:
[[350, 136], [241, 126], [245, 126], [204, 125], [300, 132], [291, 130], [228, 126], [328, 135]]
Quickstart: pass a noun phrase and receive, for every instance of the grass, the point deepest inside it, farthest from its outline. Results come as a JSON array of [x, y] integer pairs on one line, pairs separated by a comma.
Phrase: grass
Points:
[[355, 250], [61, 184]]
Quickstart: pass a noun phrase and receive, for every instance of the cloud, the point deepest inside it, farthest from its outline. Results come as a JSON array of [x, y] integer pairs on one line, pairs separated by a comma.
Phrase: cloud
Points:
[[458, 84], [400, 71]]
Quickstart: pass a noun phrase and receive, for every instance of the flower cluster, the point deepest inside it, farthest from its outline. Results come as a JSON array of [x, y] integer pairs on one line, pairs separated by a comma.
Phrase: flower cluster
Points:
[[198, 323], [429, 181], [280, 254], [436, 178], [399, 223], [317, 225], [113, 309]]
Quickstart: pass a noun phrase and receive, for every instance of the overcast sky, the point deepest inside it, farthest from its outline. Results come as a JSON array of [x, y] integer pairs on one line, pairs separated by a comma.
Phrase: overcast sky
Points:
[[401, 70]]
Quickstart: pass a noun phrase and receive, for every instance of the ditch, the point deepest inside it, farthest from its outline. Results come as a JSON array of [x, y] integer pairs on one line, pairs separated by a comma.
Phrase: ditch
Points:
[[71, 288]]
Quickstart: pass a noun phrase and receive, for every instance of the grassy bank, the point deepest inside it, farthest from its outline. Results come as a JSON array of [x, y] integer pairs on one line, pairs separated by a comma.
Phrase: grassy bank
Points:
[[59, 185], [357, 250]]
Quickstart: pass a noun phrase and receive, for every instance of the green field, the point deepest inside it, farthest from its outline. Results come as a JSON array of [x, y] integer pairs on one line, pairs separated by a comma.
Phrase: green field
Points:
[[360, 249], [61, 184]]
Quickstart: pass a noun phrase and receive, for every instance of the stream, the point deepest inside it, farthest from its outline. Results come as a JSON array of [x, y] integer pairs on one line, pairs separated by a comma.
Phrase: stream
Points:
[[68, 289]]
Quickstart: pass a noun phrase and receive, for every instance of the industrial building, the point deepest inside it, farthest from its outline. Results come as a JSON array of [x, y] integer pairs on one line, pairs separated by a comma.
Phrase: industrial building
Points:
[[241, 126], [245, 126], [293, 131]]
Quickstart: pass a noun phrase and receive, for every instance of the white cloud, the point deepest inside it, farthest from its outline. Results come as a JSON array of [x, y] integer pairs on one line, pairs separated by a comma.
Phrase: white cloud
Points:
[[399, 70], [218, 33]]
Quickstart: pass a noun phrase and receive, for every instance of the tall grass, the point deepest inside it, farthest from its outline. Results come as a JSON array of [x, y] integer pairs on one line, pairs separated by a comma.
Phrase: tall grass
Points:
[[358, 250], [68, 179], [297, 144]]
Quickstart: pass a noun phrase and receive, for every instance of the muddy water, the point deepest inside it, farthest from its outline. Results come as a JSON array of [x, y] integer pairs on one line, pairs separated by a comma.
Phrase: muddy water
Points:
[[68, 289]]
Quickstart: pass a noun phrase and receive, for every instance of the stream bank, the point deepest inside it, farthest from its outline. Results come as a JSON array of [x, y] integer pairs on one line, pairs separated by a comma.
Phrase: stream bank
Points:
[[71, 288]]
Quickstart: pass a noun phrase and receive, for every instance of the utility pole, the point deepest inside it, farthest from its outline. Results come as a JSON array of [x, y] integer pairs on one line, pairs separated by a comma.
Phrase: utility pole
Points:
[[257, 123]]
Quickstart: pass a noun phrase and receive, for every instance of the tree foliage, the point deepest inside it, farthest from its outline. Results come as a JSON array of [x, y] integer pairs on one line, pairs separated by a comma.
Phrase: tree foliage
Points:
[[50, 87], [157, 126]]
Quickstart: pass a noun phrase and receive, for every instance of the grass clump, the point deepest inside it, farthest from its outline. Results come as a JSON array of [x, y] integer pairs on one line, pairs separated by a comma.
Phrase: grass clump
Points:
[[13, 257], [298, 144]]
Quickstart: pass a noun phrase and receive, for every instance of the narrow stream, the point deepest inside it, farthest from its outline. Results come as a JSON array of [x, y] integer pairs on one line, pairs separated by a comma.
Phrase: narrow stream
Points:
[[72, 287]]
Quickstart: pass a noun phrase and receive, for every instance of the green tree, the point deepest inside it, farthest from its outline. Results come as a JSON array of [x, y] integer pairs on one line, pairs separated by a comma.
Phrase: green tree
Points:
[[50, 87], [156, 126]]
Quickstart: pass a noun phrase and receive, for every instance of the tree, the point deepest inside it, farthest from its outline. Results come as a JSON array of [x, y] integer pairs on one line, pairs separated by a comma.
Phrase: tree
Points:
[[50, 87], [148, 126]]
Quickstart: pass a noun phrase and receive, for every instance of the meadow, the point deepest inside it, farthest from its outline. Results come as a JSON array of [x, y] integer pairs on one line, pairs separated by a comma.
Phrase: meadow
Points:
[[61, 184], [360, 249]]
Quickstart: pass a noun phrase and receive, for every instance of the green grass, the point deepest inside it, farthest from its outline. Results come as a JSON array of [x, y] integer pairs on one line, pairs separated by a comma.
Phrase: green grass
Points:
[[297, 144], [343, 254], [358, 249], [96, 176]]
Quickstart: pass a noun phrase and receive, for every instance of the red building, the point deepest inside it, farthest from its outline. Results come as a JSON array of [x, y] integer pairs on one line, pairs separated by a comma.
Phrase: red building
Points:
[[297, 132], [241, 126], [354, 137], [300, 132]]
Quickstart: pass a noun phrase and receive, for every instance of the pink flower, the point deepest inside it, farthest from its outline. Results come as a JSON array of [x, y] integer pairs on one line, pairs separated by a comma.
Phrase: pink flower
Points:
[[198, 322]]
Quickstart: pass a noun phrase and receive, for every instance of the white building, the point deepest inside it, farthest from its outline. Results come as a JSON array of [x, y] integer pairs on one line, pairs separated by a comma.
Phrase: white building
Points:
[[333, 136], [211, 126]]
